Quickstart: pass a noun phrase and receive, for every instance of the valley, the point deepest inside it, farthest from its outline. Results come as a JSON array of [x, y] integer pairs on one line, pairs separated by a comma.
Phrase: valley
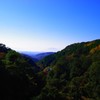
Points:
[[70, 74]]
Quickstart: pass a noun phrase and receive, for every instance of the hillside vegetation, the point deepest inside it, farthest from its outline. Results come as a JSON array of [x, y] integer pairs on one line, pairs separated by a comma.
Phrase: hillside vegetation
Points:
[[18, 76], [70, 74], [73, 73]]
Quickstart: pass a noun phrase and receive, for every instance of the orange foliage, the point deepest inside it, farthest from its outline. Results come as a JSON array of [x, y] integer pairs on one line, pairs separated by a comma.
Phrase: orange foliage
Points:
[[97, 48], [88, 44], [2, 54], [85, 98]]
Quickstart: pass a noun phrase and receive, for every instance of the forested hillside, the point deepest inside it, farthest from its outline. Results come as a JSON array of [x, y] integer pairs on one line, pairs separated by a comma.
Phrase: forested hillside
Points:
[[70, 74], [18, 76], [73, 73]]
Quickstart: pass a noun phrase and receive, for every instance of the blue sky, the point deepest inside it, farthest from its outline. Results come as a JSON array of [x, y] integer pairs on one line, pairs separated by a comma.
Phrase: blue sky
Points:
[[48, 25]]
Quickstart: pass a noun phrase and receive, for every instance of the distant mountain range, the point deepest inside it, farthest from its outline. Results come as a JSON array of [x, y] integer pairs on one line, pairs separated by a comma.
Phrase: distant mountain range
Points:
[[36, 56]]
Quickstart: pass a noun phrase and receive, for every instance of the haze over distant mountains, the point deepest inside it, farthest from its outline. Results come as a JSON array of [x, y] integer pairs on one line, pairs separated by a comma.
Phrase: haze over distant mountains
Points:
[[36, 55]]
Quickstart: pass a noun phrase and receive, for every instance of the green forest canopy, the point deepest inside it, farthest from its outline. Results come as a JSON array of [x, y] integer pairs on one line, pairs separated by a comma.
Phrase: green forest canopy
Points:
[[70, 74]]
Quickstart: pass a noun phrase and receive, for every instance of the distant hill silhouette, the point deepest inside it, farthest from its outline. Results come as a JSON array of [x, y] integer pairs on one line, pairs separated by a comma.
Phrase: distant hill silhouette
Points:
[[43, 55], [36, 56]]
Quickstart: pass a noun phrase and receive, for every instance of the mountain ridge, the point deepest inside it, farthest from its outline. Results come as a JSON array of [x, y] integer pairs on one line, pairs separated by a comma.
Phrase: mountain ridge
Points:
[[36, 56], [70, 74], [73, 73]]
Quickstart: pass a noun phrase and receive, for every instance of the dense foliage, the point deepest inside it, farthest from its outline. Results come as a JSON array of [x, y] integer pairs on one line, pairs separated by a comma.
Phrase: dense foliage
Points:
[[73, 73], [18, 76], [70, 74]]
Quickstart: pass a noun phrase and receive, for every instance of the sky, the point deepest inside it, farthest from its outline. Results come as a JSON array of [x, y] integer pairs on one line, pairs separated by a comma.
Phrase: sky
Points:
[[48, 25]]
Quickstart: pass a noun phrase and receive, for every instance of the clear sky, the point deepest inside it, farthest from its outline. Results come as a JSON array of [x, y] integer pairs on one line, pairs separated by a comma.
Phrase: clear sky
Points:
[[48, 25]]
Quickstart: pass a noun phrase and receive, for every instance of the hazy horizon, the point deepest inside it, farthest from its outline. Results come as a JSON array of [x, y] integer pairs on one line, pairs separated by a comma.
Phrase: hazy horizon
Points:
[[48, 25]]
